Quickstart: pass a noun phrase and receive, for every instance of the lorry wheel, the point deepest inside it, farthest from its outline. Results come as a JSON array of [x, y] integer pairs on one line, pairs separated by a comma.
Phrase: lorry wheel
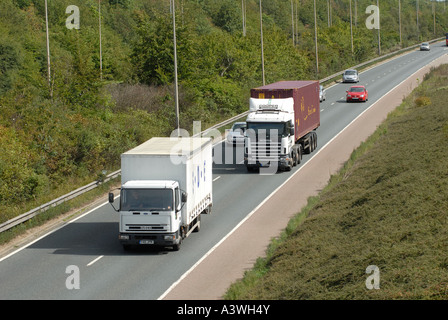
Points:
[[315, 141], [294, 158], [312, 143], [309, 148], [176, 247]]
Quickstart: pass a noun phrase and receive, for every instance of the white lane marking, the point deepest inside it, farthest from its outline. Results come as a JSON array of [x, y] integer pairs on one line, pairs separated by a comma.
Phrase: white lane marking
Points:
[[216, 178], [93, 261], [272, 194], [50, 232]]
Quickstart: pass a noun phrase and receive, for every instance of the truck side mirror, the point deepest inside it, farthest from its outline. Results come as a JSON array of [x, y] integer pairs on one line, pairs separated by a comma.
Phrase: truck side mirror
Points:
[[111, 197], [111, 200], [291, 131], [184, 196]]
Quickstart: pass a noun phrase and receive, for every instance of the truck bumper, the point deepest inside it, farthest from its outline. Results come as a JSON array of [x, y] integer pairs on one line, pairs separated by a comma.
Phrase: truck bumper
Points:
[[155, 239], [281, 164]]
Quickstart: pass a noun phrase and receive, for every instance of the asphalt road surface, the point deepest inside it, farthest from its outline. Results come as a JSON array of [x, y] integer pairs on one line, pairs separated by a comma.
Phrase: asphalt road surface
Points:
[[88, 247]]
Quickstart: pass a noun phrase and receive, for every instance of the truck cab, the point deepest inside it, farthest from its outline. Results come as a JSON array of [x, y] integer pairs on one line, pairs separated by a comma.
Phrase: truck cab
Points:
[[150, 212], [270, 133]]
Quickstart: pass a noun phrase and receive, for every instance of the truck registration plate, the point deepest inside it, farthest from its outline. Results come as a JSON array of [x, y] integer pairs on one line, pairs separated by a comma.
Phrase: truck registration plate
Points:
[[146, 241]]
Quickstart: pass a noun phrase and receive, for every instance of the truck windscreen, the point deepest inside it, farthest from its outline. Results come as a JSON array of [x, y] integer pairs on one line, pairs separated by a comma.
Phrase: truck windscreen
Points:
[[267, 128], [147, 199]]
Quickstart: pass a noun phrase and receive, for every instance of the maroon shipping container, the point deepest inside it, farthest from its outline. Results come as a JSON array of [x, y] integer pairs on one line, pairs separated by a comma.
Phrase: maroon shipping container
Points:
[[306, 102]]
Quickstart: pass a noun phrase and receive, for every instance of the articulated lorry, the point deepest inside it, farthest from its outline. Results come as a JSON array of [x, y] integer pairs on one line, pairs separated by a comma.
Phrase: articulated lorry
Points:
[[166, 183], [281, 124]]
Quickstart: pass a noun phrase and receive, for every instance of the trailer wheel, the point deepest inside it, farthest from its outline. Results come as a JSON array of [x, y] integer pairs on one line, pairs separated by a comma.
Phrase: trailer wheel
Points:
[[312, 142], [315, 141], [299, 154], [309, 148]]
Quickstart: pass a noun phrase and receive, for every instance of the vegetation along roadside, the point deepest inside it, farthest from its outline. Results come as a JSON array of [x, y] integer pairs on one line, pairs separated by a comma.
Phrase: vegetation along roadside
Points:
[[58, 135]]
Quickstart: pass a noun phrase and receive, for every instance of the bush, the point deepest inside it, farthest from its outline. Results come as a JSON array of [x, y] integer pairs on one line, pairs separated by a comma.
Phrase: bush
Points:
[[422, 101]]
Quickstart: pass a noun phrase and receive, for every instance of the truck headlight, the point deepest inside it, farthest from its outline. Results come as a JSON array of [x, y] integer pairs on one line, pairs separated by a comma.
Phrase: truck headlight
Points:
[[123, 237], [169, 237]]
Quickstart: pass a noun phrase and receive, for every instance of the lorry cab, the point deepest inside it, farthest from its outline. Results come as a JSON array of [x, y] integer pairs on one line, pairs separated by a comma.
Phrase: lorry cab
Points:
[[162, 201], [270, 130]]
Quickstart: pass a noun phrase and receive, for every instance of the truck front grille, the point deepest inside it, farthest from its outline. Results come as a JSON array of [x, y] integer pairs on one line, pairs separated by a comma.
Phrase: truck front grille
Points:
[[265, 150], [146, 227]]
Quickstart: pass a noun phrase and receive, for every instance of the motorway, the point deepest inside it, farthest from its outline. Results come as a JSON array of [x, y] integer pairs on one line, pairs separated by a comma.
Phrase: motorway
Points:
[[43, 268]]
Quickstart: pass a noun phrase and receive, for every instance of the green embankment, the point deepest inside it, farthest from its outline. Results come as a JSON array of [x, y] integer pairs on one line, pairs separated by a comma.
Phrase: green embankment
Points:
[[387, 207]]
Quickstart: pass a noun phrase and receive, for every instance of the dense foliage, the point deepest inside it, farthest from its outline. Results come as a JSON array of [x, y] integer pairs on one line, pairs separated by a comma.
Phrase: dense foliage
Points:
[[57, 135]]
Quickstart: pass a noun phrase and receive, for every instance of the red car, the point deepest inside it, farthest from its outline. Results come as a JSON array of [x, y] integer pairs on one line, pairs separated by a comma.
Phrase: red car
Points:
[[357, 93]]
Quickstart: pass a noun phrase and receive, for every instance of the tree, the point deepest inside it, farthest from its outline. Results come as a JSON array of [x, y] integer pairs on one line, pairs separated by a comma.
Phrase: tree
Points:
[[153, 51]]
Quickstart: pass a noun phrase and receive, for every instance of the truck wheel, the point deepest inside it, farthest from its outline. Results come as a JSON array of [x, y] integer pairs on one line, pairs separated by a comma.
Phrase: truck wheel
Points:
[[315, 141], [309, 149], [299, 154], [176, 247]]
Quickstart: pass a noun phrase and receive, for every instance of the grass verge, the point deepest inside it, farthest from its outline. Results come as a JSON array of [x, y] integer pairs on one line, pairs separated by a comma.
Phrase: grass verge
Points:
[[386, 207]]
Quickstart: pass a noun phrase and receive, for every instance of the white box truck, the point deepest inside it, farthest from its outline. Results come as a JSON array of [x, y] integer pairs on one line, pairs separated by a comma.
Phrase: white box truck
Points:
[[166, 183]]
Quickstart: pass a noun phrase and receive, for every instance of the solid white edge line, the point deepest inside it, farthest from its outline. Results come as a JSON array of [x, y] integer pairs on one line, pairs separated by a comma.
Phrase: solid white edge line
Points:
[[286, 181], [50, 232]]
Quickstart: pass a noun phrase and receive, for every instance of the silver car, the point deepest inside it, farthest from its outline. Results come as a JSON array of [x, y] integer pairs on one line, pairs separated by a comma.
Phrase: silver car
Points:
[[424, 46], [322, 96], [350, 76], [236, 135]]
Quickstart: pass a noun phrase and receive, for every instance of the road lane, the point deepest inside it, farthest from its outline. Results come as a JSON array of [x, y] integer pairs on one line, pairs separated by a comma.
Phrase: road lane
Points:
[[39, 271]]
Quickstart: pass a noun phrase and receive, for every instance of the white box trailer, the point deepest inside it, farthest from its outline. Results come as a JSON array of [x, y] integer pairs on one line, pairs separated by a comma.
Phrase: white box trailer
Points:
[[166, 183]]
